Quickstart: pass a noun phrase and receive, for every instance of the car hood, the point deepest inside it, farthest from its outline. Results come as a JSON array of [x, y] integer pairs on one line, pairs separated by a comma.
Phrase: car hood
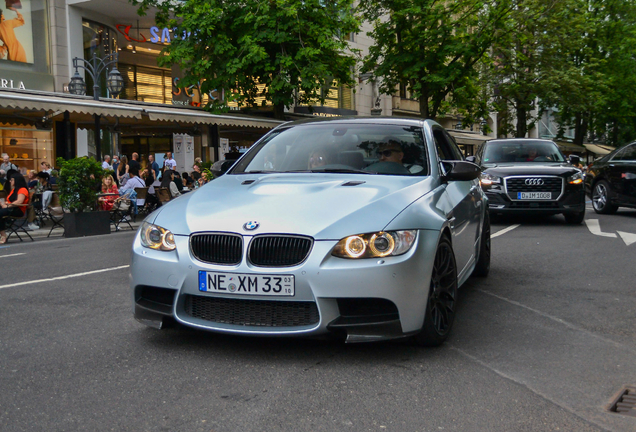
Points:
[[529, 169], [324, 206]]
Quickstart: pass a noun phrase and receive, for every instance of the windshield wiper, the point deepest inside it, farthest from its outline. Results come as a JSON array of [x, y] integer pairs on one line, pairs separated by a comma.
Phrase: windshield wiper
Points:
[[339, 170]]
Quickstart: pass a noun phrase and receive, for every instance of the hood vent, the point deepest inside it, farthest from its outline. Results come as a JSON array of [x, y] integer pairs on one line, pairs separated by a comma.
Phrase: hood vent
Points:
[[246, 182], [353, 183]]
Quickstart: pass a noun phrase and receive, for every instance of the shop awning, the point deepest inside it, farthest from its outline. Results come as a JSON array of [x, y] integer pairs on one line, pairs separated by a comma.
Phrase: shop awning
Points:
[[42, 101], [192, 116], [468, 138], [571, 147], [32, 107], [598, 149]]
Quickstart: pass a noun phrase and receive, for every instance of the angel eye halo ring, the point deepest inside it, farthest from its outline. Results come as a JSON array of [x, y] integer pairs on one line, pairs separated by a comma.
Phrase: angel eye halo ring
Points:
[[375, 245]]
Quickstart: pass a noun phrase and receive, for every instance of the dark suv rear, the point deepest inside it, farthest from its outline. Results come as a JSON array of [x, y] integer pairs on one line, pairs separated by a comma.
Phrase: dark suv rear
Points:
[[524, 175]]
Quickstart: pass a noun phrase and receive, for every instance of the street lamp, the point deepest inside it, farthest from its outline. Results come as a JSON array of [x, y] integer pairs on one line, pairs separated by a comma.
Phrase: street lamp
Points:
[[114, 82]]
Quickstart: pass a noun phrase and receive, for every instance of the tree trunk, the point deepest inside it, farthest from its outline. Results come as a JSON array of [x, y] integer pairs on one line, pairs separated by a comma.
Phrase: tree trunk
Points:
[[279, 111], [424, 113], [580, 128], [522, 126]]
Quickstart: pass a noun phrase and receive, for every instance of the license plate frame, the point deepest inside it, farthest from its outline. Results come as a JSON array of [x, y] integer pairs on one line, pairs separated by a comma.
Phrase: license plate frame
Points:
[[272, 285], [534, 196]]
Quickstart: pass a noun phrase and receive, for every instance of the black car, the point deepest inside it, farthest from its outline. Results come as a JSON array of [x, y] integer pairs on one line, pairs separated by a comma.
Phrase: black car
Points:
[[525, 176], [611, 180]]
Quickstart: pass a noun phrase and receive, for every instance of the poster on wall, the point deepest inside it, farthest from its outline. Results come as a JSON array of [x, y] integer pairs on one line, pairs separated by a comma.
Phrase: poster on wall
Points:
[[224, 144], [16, 31], [189, 142]]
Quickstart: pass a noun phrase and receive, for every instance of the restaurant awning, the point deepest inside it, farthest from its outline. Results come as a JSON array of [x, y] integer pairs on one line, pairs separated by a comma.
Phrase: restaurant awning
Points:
[[467, 137], [598, 149], [35, 107], [570, 147]]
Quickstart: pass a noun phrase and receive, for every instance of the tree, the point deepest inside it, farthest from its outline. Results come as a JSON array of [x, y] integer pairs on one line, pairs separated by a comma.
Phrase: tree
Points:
[[433, 47], [528, 61], [287, 51], [596, 91]]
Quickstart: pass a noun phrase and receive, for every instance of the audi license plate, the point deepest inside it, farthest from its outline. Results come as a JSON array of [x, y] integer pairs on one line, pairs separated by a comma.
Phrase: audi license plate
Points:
[[534, 195], [246, 284]]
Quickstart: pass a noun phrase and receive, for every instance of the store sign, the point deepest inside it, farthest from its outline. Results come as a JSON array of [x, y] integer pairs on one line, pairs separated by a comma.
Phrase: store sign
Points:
[[11, 84], [157, 35]]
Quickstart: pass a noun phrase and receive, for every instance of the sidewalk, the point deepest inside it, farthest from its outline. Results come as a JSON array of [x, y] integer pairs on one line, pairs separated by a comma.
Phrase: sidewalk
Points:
[[43, 232]]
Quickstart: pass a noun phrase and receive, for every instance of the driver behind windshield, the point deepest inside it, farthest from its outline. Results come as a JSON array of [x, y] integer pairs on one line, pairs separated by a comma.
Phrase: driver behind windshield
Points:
[[391, 151]]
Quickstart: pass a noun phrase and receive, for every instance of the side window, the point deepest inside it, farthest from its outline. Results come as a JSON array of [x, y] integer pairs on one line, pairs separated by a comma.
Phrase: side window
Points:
[[459, 155], [627, 154], [444, 150]]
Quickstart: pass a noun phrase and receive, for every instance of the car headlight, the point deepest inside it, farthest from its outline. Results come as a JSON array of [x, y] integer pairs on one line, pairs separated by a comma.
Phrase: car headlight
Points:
[[156, 237], [375, 245], [576, 178], [488, 179]]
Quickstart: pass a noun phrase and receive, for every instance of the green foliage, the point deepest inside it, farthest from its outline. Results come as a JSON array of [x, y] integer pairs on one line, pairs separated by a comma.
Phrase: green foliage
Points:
[[434, 48], [78, 183], [286, 51]]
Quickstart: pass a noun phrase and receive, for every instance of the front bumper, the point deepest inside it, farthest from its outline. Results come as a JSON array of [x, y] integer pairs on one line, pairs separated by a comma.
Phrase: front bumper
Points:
[[571, 200], [363, 300]]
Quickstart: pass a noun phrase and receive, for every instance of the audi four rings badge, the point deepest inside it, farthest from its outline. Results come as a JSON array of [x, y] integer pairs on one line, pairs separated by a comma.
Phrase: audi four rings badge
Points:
[[251, 225], [534, 182]]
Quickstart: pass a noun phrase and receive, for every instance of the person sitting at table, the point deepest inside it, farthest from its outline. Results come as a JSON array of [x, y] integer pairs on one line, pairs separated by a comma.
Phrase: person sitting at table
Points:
[[32, 180], [16, 203], [134, 182], [177, 181], [167, 181], [108, 187]]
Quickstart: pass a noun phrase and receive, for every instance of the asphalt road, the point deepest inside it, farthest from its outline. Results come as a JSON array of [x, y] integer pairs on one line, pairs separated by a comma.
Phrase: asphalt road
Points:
[[544, 343]]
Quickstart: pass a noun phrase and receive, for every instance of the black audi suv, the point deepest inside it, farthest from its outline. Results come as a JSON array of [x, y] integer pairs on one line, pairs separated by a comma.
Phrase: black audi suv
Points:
[[611, 180], [524, 176]]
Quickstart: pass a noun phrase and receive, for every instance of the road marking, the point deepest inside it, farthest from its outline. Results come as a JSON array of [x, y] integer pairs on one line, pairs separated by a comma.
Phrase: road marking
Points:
[[63, 277], [5, 256], [595, 228], [505, 230], [628, 238]]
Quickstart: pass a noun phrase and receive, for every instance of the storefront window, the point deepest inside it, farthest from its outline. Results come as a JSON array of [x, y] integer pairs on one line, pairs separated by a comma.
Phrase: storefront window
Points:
[[147, 84], [27, 148]]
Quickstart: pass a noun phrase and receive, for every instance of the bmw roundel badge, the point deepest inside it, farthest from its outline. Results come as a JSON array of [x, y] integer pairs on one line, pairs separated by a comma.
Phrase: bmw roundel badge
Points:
[[251, 226]]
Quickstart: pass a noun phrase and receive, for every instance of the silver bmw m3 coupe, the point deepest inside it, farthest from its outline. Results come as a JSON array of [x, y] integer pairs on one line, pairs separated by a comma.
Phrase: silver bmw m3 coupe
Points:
[[361, 228]]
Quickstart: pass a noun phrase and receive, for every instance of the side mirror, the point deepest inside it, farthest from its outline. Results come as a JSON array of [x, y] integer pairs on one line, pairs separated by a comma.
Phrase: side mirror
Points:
[[575, 160], [460, 171], [471, 159]]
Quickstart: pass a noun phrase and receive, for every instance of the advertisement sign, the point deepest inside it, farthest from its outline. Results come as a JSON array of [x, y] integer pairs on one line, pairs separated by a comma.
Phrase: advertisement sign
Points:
[[16, 31]]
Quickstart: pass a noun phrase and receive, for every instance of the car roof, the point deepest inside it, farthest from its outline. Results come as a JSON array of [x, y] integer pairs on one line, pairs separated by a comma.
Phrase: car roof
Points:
[[519, 141], [385, 120]]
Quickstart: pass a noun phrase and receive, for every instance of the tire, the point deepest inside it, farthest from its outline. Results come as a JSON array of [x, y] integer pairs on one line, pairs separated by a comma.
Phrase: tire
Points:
[[574, 218], [600, 199], [482, 268], [442, 298]]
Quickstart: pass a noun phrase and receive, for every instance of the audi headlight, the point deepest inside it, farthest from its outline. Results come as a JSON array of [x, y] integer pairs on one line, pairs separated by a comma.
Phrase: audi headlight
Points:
[[576, 178], [488, 179], [156, 237], [375, 245]]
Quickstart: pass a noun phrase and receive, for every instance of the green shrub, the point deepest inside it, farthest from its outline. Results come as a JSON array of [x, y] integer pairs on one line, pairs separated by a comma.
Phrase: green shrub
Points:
[[78, 183]]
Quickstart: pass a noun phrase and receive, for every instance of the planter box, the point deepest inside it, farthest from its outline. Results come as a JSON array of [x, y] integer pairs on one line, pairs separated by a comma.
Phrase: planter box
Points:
[[86, 224]]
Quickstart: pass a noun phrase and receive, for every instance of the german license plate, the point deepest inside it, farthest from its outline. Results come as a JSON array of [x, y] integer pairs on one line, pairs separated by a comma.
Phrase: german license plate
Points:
[[246, 284], [534, 195]]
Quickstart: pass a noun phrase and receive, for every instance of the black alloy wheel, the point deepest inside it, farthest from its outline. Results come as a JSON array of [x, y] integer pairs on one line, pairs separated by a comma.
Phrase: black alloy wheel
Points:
[[442, 297], [482, 268], [600, 199]]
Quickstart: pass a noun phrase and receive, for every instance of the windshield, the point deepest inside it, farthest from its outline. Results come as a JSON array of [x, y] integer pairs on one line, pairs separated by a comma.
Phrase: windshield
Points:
[[522, 151], [339, 148]]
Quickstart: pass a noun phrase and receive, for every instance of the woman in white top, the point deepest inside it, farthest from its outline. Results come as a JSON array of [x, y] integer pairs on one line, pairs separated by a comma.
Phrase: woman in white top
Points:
[[167, 181]]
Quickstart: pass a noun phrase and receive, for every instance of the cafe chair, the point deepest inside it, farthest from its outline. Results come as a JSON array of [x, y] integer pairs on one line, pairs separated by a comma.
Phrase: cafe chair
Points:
[[55, 213], [142, 194], [18, 224], [163, 194], [122, 212]]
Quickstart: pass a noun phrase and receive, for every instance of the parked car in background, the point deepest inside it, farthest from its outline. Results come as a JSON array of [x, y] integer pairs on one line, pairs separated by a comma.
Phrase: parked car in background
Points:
[[530, 176], [611, 180], [360, 228]]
